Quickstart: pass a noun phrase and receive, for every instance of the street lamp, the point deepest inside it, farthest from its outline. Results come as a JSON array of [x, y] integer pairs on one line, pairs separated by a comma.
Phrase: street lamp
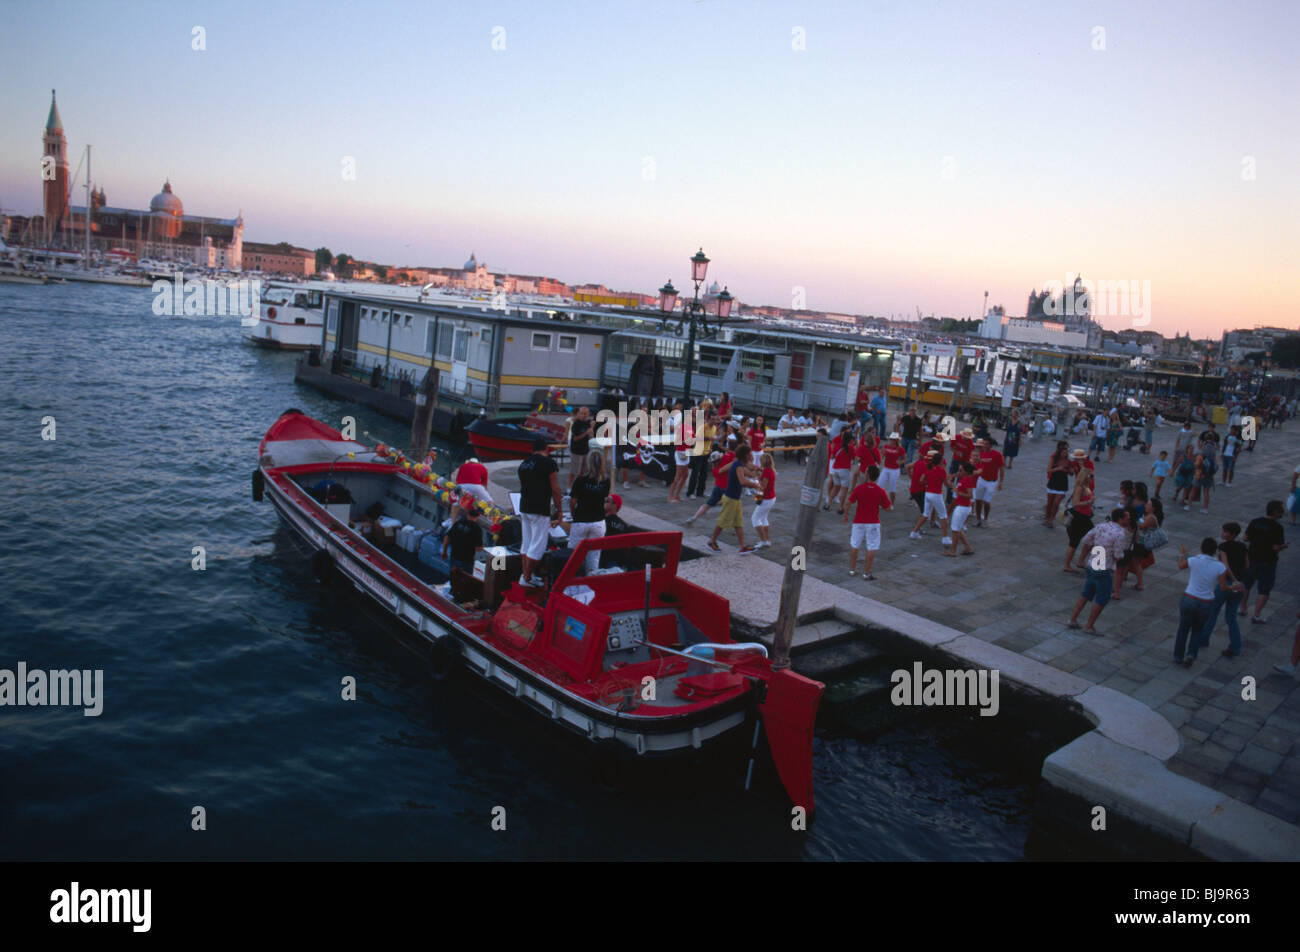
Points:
[[694, 314]]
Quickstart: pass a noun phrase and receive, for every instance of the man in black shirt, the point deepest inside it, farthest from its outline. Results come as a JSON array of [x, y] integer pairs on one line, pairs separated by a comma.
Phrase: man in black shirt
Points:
[[1209, 435], [463, 538], [1265, 539], [1232, 554], [539, 489], [909, 428], [580, 433]]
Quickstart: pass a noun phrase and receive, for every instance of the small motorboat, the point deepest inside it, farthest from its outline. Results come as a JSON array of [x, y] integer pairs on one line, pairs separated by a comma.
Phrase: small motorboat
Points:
[[619, 650], [496, 439]]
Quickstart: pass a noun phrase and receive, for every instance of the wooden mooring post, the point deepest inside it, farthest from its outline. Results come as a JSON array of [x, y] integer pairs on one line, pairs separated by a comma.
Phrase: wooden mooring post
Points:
[[809, 499], [422, 418]]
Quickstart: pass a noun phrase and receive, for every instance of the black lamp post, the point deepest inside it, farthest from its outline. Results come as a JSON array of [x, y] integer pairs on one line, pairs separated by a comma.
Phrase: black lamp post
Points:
[[694, 314]]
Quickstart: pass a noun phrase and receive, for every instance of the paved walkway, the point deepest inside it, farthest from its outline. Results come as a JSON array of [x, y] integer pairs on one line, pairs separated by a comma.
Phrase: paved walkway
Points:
[[1013, 594]]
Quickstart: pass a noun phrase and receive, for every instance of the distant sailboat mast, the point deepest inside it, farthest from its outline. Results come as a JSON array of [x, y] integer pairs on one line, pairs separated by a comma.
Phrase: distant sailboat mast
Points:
[[87, 207]]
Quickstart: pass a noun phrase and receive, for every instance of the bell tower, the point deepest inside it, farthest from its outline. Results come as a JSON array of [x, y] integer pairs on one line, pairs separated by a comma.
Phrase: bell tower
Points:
[[54, 171]]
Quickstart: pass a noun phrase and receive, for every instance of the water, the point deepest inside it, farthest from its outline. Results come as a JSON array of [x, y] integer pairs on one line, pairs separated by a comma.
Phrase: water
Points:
[[222, 687]]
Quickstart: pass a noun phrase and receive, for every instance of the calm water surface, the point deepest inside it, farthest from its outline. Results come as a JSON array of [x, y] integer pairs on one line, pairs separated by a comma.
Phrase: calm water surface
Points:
[[222, 687]]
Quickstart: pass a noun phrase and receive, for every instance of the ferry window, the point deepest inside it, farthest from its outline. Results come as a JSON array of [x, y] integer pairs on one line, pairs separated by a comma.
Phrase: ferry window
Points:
[[462, 346], [444, 340], [567, 344], [428, 337], [333, 319], [406, 320], [485, 336], [837, 369], [541, 341]]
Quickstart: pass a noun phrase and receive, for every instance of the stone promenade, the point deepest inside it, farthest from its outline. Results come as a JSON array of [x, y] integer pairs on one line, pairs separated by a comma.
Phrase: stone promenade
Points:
[[1013, 594]]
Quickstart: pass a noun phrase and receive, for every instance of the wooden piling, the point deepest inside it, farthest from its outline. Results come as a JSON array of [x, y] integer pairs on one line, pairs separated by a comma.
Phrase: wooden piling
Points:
[[792, 584]]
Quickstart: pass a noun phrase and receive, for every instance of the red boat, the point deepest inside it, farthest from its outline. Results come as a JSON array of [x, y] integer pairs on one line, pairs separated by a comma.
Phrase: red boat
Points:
[[513, 439], [631, 657]]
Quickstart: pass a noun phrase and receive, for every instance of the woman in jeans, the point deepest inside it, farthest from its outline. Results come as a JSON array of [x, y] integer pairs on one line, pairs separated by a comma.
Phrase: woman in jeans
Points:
[[1207, 575], [700, 456]]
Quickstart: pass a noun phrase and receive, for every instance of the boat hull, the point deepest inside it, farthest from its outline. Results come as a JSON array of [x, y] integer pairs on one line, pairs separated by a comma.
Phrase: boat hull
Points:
[[355, 564]]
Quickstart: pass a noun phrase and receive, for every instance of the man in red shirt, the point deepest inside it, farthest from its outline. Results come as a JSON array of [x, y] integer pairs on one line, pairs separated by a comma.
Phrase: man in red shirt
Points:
[[929, 443], [962, 445], [992, 472], [472, 477], [891, 455], [866, 501], [935, 480]]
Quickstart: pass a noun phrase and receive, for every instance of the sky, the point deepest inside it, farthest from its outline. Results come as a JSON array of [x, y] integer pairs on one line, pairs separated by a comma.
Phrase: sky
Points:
[[871, 158]]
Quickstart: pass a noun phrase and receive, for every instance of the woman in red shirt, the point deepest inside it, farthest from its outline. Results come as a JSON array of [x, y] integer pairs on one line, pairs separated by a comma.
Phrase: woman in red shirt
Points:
[[963, 497], [757, 435], [766, 500], [724, 406], [841, 472]]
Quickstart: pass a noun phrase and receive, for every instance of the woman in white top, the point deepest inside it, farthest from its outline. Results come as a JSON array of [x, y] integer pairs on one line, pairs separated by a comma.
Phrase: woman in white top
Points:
[[1198, 599]]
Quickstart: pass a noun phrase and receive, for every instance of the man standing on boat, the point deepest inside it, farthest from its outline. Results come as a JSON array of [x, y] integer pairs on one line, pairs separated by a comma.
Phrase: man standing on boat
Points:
[[539, 495], [579, 443]]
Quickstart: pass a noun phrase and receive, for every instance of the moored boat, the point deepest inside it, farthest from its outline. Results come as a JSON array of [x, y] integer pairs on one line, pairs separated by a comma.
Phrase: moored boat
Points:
[[628, 656], [496, 439], [288, 319]]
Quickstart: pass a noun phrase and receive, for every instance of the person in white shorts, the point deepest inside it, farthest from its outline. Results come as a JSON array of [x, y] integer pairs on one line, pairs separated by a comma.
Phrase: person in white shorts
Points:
[[892, 455], [864, 505], [991, 468], [935, 482], [764, 500], [539, 495]]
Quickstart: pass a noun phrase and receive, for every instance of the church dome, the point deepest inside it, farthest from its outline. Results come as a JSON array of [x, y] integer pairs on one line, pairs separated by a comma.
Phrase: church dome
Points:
[[472, 263], [166, 203]]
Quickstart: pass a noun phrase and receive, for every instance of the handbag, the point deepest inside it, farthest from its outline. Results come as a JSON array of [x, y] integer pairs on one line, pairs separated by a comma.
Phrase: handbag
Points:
[[1154, 537]]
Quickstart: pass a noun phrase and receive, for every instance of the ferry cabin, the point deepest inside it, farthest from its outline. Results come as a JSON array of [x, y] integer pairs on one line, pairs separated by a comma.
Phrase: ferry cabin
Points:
[[493, 359], [765, 368]]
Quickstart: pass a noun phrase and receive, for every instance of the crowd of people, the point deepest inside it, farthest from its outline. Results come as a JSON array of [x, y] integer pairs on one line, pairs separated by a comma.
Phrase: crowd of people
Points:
[[952, 477]]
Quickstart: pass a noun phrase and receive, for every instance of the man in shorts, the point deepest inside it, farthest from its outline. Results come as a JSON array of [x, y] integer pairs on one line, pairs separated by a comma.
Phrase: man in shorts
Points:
[[865, 503], [1265, 539], [992, 471], [1101, 549], [1100, 425], [539, 491]]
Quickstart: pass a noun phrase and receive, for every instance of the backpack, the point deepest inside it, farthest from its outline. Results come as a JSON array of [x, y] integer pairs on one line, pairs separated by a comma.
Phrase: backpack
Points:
[[1207, 465]]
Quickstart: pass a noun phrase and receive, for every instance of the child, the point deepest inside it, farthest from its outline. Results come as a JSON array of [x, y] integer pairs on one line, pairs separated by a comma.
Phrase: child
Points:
[[962, 498], [1160, 469], [765, 499]]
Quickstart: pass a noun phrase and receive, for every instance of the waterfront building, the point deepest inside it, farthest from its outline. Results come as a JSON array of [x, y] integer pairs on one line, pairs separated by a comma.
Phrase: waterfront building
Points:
[[278, 259]]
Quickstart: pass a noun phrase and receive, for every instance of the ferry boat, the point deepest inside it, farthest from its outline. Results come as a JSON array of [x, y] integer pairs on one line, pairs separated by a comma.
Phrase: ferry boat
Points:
[[289, 319], [579, 653]]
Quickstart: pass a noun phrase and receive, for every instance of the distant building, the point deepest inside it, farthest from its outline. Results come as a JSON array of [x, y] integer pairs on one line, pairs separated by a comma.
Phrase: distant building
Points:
[[54, 172], [279, 259], [163, 231]]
